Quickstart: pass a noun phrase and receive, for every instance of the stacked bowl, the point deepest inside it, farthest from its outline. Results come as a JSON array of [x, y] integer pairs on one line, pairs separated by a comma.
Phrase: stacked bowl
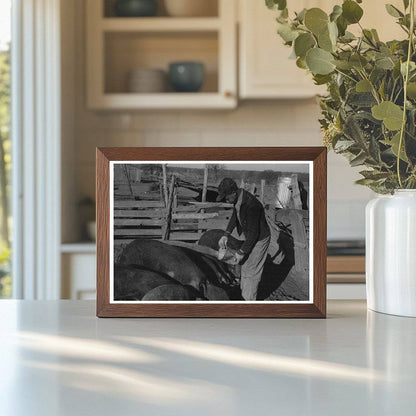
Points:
[[191, 8], [147, 80]]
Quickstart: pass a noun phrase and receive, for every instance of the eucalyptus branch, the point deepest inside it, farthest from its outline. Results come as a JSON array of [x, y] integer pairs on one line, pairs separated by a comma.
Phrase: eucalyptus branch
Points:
[[373, 89], [346, 75], [369, 41], [398, 95], [406, 80], [392, 90], [404, 28], [355, 120]]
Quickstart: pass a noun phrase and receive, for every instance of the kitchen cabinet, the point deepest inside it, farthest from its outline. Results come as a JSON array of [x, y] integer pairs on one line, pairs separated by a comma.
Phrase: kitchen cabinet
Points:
[[78, 263], [265, 70], [118, 45]]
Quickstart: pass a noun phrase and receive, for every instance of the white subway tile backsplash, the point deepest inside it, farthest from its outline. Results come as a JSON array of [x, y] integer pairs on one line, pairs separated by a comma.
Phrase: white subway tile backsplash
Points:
[[271, 123], [166, 138], [149, 120], [346, 219], [341, 180]]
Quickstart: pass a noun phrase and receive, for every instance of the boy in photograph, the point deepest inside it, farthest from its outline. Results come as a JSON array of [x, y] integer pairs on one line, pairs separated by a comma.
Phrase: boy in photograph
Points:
[[249, 218]]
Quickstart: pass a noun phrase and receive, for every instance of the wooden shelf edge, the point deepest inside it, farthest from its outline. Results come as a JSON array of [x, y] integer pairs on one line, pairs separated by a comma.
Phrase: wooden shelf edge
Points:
[[159, 24], [80, 247], [162, 101]]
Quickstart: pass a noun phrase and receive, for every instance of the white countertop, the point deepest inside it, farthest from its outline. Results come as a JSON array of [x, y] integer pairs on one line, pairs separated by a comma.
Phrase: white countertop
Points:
[[56, 358]]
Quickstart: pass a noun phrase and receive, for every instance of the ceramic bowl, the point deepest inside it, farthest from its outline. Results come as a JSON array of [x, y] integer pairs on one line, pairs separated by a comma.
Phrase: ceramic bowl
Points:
[[191, 8], [135, 8], [186, 76]]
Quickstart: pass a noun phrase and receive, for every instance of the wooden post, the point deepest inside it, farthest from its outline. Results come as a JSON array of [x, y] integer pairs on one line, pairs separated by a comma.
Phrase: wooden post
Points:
[[242, 184], [253, 188], [162, 195], [297, 203], [165, 184], [128, 180], [166, 227], [263, 183], [205, 185], [175, 197], [300, 241]]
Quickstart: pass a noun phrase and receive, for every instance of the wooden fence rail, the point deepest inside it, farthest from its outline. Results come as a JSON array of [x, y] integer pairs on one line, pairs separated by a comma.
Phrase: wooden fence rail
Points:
[[153, 219]]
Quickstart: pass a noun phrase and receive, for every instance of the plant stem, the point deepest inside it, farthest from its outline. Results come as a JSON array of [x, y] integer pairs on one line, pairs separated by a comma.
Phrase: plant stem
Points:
[[373, 89], [369, 41], [406, 80], [345, 75], [392, 90], [398, 95]]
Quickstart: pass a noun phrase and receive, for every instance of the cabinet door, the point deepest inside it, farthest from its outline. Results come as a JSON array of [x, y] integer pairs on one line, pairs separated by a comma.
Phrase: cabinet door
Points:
[[376, 17], [78, 276], [265, 68]]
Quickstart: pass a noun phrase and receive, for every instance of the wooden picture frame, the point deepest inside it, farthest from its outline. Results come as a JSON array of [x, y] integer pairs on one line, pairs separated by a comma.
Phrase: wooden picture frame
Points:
[[314, 307]]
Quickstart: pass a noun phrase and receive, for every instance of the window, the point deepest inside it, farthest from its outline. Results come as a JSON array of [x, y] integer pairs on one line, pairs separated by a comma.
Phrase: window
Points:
[[5, 145]]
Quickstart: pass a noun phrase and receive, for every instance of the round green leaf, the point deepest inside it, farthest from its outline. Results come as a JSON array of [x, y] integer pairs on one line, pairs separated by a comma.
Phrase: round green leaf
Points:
[[327, 40], [342, 25], [333, 32], [391, 114], [342, 64], [363, 86], [358, 61], [276, 4], [351, 11], [321, 79], [411, 90], [319, 61], [385, 63], [324, 42], [286, 32], [336, 12], [347, 37], [316, 20], [303, 43], [301, 15], [403, 65], [301, 63]]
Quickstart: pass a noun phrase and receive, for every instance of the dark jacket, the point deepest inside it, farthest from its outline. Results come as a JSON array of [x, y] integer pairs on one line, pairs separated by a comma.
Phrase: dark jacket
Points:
[[253, 222]]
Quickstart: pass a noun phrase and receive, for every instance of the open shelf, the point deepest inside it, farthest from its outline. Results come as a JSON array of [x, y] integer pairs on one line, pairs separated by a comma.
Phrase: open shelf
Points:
[[116, 46], [127, 51], [108, 9]]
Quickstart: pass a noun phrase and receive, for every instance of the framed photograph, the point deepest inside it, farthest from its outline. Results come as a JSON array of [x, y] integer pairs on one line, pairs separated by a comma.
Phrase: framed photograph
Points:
[[211, 232]]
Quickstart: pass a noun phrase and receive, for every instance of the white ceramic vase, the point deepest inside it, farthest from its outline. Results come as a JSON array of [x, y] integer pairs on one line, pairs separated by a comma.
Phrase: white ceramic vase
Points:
[[391, 253]]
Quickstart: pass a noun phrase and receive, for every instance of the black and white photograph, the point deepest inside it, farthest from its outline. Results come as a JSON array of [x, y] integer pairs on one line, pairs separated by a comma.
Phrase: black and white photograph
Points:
[[211, 232]]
